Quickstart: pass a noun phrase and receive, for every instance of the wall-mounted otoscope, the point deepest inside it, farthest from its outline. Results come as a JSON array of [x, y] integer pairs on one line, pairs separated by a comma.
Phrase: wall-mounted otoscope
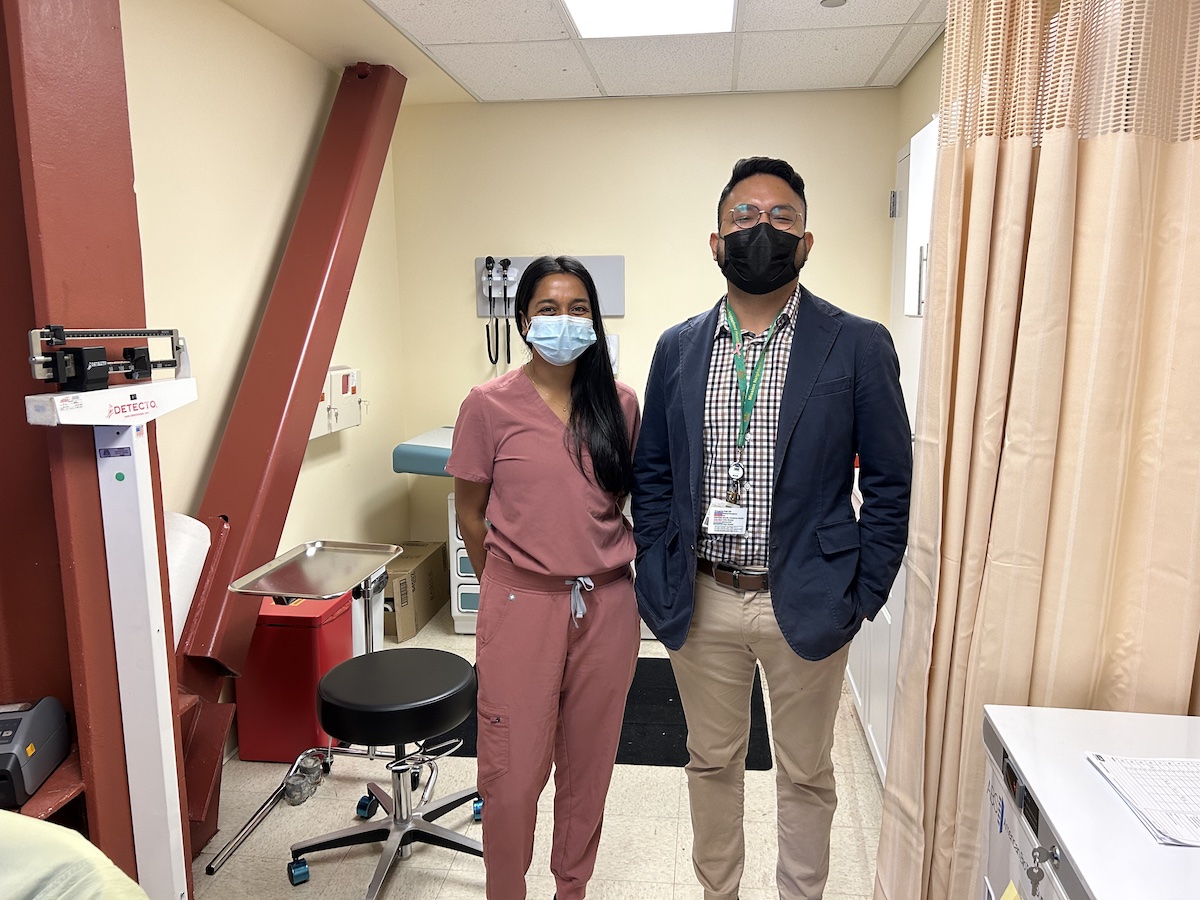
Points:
[[492, 325], [608, 272], [504, 264]]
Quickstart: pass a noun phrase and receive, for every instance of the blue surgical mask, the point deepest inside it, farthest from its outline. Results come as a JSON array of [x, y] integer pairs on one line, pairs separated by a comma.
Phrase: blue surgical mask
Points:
[[560, 339]]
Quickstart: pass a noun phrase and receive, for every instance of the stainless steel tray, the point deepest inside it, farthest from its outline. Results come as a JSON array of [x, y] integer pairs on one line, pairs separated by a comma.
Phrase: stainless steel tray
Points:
[[317, 570]]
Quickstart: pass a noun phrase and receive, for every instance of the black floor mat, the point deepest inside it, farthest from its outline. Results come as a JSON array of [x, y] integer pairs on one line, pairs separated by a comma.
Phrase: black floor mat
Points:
[[654, 732]]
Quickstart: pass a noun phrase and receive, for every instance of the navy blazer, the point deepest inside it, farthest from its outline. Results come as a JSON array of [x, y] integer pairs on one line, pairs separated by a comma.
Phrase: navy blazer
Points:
[[841, 397]]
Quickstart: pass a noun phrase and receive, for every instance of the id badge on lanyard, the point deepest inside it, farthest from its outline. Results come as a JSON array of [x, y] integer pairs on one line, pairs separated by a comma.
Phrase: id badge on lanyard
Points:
[[728, 516], [724, 517]]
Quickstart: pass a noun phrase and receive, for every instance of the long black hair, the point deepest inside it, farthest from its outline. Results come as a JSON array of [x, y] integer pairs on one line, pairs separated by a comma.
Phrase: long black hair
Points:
[[597, 420]]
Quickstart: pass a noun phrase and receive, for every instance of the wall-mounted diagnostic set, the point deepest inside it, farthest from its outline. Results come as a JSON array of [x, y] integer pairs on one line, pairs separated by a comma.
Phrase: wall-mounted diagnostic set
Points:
[[498, 277]]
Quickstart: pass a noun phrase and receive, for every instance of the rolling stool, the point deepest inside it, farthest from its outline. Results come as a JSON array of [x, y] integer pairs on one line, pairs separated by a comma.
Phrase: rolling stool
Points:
[[399, 697]]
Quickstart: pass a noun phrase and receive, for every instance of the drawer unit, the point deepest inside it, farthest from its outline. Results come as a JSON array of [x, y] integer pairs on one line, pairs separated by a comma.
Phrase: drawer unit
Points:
[[464, 586], [466, 598], [462, 564]]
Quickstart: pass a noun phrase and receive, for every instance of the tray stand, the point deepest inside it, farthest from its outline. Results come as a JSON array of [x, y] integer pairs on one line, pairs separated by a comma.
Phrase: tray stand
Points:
[[317, 570]]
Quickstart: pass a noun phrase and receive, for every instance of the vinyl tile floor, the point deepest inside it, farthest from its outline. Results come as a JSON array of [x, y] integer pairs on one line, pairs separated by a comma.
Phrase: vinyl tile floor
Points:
[[645, 850]]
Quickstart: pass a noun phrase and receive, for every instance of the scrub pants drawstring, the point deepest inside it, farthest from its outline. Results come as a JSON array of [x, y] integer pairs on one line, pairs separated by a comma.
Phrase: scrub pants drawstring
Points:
[[578, 607]]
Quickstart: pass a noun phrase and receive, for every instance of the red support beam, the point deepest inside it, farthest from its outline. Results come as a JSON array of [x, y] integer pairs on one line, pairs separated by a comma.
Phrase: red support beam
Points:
[[33, 628], [71, 128], [259, 458]]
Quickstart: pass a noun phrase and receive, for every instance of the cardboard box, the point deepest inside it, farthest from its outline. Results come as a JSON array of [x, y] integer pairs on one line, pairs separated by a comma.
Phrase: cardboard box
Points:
[[419, 585]]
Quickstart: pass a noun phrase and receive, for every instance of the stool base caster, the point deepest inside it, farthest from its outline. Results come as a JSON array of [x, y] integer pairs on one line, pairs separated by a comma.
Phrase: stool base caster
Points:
[[367, 806], [477, 810], [297, 871]]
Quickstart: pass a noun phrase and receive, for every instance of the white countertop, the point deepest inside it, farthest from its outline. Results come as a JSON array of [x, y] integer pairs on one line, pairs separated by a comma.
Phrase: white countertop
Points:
[[1114, 855]]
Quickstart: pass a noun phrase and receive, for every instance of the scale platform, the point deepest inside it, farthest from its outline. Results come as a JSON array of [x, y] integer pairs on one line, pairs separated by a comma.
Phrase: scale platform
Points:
[[317, 570]]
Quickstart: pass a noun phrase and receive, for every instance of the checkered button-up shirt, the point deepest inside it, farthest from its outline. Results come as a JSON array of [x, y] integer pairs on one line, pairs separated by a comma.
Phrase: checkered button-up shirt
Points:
[[722, 416]]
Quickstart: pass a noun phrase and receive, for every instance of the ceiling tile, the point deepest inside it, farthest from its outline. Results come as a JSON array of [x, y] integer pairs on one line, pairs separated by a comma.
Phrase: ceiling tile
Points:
[[545, 70], [822, 59], [783, 15], [934, 11], [339, 33], [645, 66], [908, 49], [505, 49], [476, 21]]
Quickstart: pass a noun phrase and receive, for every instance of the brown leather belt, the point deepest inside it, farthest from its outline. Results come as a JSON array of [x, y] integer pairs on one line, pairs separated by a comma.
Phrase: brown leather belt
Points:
[[732, 576]]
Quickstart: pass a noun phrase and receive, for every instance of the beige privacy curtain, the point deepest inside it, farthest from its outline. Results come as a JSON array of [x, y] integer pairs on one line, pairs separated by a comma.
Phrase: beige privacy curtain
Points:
[[1054, 553]]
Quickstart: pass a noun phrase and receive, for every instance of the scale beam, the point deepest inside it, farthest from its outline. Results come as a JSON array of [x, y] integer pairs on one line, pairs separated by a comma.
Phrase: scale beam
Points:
[[87, 368]]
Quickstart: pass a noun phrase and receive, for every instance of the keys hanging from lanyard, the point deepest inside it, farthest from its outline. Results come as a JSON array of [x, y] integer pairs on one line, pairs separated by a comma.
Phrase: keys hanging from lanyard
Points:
[[736, 473]]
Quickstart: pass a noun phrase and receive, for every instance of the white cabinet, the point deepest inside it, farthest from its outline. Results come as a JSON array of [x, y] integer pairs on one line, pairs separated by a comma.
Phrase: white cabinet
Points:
[[345, 407], [922, 159], [871, 673], [340, 405], [915, 165], [320, 423], [875, 653]]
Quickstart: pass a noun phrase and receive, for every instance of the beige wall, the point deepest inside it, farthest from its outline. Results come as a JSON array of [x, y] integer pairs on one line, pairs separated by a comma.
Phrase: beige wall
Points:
[[919, 94], [225, 116], [633, 177], [347, 490]]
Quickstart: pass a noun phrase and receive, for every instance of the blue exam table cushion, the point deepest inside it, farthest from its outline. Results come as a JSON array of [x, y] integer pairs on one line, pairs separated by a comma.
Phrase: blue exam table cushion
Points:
[[426, 454]]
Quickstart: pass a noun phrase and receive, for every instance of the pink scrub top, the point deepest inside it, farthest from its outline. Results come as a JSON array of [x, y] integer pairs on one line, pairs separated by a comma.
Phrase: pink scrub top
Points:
[[544, 515]]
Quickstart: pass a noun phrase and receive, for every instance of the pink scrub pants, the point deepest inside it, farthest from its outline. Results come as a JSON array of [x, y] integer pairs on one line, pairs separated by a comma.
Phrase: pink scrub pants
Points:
[[549, 692]]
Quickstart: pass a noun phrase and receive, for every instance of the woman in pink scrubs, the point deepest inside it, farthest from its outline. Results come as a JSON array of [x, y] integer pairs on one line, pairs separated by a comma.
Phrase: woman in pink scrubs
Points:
[[542, 455]]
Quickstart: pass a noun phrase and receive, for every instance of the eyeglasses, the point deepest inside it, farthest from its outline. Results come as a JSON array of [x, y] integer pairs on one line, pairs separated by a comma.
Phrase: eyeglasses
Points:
[[747, 215]]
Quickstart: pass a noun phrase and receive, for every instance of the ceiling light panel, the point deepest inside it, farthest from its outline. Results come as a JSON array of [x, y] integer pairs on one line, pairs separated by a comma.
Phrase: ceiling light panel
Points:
[[639, 18]]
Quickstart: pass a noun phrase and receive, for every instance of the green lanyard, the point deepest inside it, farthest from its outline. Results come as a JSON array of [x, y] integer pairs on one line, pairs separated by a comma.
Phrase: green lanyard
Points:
[[748, 393]]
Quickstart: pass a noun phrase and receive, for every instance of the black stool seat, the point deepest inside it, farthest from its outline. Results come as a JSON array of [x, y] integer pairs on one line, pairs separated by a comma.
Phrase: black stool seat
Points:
[[396, 696]]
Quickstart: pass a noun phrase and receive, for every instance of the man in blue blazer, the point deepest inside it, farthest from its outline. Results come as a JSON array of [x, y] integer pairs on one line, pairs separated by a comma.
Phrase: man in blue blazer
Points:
[[749, 550]]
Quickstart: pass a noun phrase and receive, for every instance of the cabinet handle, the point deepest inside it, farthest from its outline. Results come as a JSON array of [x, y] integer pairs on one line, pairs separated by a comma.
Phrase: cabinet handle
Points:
[[922, 264]]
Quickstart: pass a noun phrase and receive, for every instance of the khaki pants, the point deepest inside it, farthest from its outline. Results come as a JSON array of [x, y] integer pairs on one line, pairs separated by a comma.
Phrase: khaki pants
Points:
[[731, 631]]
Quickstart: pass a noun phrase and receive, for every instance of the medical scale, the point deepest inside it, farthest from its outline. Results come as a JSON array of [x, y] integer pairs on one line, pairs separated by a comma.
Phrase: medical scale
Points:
[[76, 362]]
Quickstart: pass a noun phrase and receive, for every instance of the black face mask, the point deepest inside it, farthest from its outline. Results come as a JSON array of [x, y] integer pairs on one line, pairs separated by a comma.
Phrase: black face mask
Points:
[[761, 259]]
